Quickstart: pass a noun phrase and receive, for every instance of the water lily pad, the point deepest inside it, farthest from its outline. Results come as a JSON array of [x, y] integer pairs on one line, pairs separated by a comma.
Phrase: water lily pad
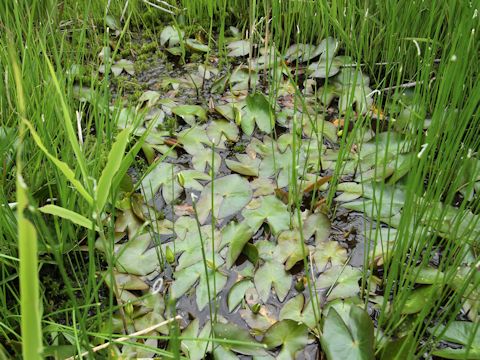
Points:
[[136, 258], [195, 45], [317, 224], [219, 130], [271, 273], [297, 310], [171, 36], [288, 334], [192, 139], [186, 278], [201, 160], [123, 65], [237, 293], [259, 110], [190, 112], [241, 77], [148, 99], [245, 165], [329, 252], [231, 331], [458, 332], [238, 48], [271, 210], [163, 175], [343, 279], [323, 68], [190, 179], [236, 235], [351, 339], [289, 248], [194, 349], [231, 194]]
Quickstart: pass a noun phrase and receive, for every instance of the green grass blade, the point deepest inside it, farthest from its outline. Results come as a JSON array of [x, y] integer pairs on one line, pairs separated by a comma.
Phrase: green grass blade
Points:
[[63, 167], [115, 158], [68, 122], [27, 244], [74, 217]]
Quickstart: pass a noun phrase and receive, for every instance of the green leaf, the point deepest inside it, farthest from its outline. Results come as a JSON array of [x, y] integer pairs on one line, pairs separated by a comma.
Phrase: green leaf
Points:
[[190, 112], [269, 209], [231, 331], [70, 215], [201, 159], [237, 293], [63, 167], [123, 65], [196, 349], [136, 258], [193, 138], [238, 48], [195, 45], [323, 68], [162, 176], [418, 299], [344, 279], [186, 278], [329, 252], [295, 310], [114, 161], [288, 334], [231, 194], [348, 340], [259, 109], [460, 354], [170, 36], [245, 165], [289, 248], [219, 130], [458, 332], [271, 273], [236, 235]]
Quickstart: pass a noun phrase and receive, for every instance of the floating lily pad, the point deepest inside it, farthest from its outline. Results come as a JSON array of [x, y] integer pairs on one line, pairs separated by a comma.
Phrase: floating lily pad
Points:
[[329, 253], [237, 293], [231, 194], [194, 349], [171, 36], [236, 235], [238, 48], [352, 339], [461, 333], [202, 159], [190, 112], [245, 165], [136, 258], [246, 344], [195, 45], [271, 273], [288, 334], [186, 278], [163, 175], [297, 310], [271, 210], [220, 130], [343, 279], [258, 111]]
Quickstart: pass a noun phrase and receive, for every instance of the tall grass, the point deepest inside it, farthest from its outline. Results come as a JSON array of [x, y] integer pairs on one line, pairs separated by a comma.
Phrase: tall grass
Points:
[[394, 42]]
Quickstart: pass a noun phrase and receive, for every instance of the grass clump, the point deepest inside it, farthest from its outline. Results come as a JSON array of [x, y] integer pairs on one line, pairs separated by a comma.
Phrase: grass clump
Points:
[[298, 149]]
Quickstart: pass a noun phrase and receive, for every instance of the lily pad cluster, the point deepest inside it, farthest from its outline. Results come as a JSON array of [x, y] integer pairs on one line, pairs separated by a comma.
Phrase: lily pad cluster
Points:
[[227, 222]]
